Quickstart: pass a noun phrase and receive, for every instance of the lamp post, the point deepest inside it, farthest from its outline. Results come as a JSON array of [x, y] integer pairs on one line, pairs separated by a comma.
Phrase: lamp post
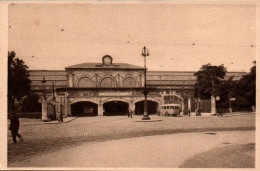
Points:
[[44, 102], [44, 91], [61, 117], [54, 102], [145, 53]]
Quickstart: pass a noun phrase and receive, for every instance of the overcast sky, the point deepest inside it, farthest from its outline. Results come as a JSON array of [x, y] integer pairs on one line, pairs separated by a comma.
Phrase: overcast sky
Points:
[[180, 37]]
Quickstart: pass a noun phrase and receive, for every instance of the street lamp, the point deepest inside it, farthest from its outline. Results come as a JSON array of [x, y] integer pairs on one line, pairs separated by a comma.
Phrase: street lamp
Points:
[[61, 117], [145, 53], [44, 91], [53, 101]]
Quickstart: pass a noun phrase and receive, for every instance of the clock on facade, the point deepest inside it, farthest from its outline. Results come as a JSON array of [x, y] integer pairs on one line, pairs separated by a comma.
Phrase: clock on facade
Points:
[[107, 60]]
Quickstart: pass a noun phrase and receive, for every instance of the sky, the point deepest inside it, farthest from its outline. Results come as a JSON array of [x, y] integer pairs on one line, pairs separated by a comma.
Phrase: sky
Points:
[[180, 37]]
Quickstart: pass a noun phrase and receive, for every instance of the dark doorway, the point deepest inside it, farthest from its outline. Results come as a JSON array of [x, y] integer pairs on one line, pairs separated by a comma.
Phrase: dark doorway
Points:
[[151, 107], [84, 109], [115, 108]]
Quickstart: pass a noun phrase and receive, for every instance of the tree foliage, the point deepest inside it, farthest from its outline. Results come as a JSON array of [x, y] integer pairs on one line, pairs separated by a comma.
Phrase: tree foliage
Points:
[[31, 103], [245, 90], [209, 80], [18, 79]]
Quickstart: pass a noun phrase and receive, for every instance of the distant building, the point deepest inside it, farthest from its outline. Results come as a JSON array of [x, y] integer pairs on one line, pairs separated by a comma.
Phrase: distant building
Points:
[[107, 88]]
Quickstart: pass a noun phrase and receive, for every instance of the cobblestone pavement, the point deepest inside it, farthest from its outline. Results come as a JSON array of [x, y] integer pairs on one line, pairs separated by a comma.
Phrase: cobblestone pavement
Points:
[[41, 138]]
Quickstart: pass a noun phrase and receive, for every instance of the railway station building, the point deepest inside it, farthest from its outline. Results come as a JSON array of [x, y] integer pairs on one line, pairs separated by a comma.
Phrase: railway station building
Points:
[[107, 88]]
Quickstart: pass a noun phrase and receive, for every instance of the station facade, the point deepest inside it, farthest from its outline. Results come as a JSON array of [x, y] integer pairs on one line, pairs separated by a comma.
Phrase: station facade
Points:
[[108, 88]]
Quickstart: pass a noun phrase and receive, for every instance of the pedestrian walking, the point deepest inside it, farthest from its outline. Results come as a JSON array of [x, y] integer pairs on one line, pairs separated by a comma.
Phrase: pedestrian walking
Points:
[[14, 127]]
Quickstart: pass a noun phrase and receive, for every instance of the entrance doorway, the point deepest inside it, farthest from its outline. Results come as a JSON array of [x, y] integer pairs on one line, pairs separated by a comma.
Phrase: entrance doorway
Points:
[[115, 108], [151, 107], [84, 109]]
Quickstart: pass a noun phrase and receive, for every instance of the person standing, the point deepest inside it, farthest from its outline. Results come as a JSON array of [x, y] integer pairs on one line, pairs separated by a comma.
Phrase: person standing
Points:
[[14, 127], [131, 113], [189, 106]]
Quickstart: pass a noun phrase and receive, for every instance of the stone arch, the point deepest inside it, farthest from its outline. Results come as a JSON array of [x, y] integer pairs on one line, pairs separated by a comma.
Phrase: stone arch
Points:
[[129, 81], [83, 100], [108, 81], [157, 100], [84, 108], [115, 107], [152, 106], [85, 81], [115, 99]]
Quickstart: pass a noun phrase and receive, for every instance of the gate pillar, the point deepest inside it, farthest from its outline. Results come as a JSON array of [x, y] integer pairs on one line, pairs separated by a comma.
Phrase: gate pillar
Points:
[[182, 107], [132, 107], [100, 109], [213, 105], [44, 110], [67, 109]]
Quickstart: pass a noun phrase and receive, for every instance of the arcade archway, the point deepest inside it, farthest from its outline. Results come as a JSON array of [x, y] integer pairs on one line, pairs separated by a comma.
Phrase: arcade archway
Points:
[[151, 107], [84, 109], [115, 108]]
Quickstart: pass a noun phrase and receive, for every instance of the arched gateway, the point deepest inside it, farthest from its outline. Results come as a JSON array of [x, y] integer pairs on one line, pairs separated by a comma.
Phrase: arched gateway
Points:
[[84, 108], [115, 108], [152, 107]]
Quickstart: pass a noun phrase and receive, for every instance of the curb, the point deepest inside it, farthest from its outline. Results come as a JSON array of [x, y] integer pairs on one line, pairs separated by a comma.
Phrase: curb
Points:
[[58, 122]]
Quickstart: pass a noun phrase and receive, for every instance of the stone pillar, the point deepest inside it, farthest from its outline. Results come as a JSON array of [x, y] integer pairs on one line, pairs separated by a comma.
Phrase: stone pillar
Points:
[[132, 106], [158, 109], [44, 110], [67, 107], [100, 108], [140, 80], [96, 77], [67, 79], [182, 107], [57, 110], [73, 80], [118, 80], [70, 80], [189, 105], [213, 105]]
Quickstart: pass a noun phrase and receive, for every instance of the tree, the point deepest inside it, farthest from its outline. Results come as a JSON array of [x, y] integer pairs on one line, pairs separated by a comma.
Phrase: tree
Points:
[[226, 91], [18, 79], [245, 90], [31, 103], [209, 80]]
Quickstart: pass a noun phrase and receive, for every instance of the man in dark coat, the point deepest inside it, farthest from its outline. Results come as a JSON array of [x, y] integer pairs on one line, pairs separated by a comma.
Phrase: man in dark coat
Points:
[[14, 127]]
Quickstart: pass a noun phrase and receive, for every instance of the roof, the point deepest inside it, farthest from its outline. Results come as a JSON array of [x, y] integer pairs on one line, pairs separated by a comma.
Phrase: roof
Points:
[[100, 65]]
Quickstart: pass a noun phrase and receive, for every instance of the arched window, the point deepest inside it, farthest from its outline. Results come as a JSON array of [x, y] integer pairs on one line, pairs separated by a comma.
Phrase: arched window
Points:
[[129, 82], [107, 82], [86, 82]]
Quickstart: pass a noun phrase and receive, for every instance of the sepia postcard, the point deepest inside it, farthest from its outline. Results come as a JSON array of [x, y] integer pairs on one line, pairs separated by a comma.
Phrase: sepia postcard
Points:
[[135, 85]]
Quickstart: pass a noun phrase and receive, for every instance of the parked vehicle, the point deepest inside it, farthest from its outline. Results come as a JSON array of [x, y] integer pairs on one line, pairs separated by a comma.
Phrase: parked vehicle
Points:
[[171, 109]]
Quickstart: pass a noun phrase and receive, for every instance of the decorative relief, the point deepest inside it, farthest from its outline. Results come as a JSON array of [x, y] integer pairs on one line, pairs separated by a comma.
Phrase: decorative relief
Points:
[[129, 82], [86, 82], [108, 82]]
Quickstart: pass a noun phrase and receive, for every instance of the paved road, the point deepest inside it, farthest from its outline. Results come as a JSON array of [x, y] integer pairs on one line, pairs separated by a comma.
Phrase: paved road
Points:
[[42, 139], [164, 151]]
